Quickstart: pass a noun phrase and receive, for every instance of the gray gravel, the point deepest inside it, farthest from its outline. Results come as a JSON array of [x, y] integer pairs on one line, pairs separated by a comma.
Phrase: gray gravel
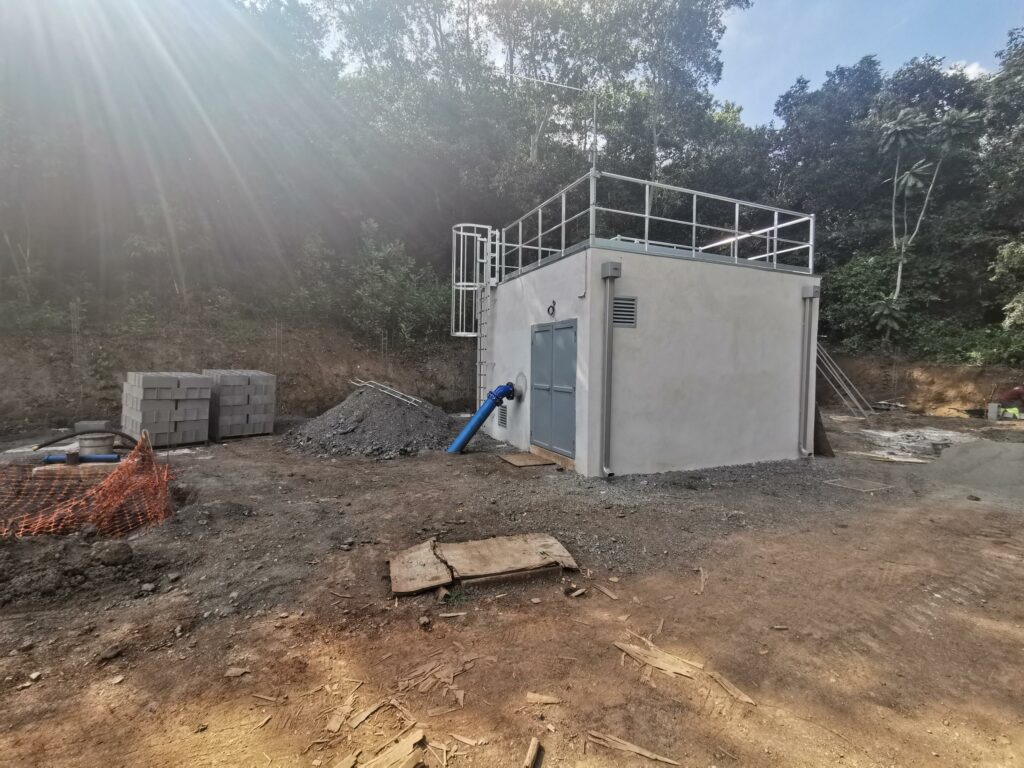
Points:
[[370, 423]]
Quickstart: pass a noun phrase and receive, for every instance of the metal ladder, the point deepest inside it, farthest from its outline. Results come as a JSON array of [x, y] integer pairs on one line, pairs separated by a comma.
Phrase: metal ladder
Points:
[[483, 339], [845, 390], [484, 309]]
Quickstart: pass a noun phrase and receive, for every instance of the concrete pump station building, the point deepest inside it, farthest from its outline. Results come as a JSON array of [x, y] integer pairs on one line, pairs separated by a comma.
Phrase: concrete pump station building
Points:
[[645, 327]]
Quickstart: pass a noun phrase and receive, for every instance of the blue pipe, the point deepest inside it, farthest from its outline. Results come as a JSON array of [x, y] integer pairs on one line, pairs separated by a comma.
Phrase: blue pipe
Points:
[[94, 458], [494, 398]]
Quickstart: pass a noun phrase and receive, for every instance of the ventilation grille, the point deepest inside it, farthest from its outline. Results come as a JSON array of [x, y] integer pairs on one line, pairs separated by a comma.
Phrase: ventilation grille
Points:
[[502, 415], [624, 312]]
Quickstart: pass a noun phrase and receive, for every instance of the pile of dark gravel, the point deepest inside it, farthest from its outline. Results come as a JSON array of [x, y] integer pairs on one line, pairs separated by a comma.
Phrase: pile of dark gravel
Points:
[[371, 423]]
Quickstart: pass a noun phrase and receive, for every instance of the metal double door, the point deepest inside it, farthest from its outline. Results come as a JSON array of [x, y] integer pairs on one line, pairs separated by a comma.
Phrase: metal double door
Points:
[[553, 387]]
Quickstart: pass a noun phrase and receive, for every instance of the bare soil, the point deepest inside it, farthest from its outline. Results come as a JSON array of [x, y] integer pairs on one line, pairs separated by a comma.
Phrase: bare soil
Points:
[[52, 379], [870, 629], [936, 389]]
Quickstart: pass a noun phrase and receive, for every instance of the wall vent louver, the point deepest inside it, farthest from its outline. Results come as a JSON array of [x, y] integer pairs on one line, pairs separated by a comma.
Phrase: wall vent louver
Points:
[[624, 312]]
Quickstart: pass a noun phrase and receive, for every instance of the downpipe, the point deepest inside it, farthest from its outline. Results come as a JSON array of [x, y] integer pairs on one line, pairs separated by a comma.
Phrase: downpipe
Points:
[[810, 293], [494, 398], [610, 272]]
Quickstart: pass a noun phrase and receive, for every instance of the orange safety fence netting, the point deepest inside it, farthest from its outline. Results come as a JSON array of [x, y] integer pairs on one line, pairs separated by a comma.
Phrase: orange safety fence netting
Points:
[[63, 500]]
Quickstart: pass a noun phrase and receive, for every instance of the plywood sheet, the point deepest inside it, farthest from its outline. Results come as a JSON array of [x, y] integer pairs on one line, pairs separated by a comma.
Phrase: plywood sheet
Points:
[[525, 459], [504, 554], [434, 564], [418, 569]]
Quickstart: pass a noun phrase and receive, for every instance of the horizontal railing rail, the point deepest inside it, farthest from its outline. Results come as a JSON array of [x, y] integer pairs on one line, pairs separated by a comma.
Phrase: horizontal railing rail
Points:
[[718, 226]]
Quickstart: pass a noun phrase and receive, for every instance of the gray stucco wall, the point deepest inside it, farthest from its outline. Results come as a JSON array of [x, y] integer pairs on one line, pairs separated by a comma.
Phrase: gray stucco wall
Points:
[[710, 376], [518, 305]]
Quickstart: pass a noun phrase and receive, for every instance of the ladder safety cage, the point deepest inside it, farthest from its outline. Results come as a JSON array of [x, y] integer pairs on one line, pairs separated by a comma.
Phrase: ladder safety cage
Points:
[[472, 270]]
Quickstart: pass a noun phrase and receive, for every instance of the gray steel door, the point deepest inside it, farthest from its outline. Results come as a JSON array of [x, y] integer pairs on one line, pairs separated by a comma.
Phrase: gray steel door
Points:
[[553, 387]]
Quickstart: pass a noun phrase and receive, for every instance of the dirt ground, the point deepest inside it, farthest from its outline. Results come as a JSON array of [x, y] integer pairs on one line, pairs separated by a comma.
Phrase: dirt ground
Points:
[[877, 628]]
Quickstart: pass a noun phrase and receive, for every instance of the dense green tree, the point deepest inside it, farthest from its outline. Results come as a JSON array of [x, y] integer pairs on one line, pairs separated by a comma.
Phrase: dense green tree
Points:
[[223, 153]]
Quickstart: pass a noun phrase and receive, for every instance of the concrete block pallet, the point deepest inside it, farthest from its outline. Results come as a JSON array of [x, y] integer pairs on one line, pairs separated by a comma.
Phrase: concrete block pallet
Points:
[[242, 402], [174, 407]]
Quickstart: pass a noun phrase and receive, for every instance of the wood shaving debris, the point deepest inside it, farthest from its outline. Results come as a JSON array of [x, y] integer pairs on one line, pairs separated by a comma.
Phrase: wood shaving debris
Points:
[[614, 742], [703, 580], [674, 665], [541, 698], [468, 741], [357, 720]]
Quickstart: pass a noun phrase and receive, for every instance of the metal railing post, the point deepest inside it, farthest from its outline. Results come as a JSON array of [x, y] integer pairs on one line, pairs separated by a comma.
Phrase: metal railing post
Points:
[[775, 242], [520, 244], [563, 222], [593, 206], [693, 222], [455, 278], [647, 217], [495, 253], [540, 235], [736, 234], [810, 249]]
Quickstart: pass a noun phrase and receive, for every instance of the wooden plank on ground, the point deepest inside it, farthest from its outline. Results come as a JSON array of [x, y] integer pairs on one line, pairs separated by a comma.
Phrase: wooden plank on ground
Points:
[[525, 459], [504, 554], [358, 719], [531, 753], [418, 569], [614, 742], [658, 659], [397, 753]]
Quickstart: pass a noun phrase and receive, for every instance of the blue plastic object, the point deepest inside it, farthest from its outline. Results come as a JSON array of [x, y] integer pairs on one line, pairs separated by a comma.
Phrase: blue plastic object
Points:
[[494, 399], [95, 458]]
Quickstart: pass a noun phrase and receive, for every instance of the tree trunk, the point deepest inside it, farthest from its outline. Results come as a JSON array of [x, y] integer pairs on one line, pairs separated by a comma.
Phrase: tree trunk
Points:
[[899, 274], [895, 176]]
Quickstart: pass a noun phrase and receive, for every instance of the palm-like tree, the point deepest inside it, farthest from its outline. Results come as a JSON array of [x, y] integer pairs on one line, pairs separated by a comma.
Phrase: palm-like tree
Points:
[[907, 129], [954, 129]]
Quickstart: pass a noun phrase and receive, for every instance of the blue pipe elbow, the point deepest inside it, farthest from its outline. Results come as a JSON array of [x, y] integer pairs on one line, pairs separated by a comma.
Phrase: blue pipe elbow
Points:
[[494, 399]]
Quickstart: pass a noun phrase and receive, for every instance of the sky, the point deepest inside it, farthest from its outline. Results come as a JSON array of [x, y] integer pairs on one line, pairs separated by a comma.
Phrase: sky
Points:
[[768, 46]]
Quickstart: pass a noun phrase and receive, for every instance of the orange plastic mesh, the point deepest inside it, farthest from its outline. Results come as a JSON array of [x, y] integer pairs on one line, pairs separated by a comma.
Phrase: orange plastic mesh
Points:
[[63, 500]]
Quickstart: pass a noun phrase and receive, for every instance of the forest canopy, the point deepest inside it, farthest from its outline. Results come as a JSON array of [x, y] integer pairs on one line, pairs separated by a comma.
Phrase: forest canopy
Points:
[[306, 160]]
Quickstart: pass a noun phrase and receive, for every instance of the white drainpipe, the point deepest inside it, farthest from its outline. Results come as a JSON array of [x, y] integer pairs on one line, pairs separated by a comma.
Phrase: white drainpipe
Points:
[[610, 272]]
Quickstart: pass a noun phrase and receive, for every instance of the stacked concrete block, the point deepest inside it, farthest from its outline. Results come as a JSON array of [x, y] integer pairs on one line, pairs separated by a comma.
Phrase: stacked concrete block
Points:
[[242, 403], [174, 407]]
